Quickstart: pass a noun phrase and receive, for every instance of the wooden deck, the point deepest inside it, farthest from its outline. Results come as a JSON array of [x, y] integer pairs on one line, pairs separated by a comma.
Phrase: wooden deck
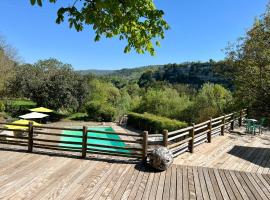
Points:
[[34, 176], [247, 153]]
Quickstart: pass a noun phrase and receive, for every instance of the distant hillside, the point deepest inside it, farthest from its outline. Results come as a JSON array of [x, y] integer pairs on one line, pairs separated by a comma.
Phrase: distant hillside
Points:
[[128, 73], [193, 73], [96, 71]]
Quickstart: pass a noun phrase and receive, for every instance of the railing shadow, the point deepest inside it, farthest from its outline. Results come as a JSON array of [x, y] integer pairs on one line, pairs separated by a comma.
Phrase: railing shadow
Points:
[[256, 155], [90, 157]]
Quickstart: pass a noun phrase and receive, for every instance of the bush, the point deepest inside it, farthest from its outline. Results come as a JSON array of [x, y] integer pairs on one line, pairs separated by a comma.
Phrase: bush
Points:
[[164, 102], [153, 123], [100, 111], [18, 106], [2, 106]]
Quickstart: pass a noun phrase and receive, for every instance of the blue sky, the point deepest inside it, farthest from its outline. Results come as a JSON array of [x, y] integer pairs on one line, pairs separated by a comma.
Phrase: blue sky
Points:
[[200, 29]]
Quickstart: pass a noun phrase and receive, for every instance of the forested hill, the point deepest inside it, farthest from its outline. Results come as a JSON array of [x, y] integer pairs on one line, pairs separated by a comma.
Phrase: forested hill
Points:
[[193, 73]]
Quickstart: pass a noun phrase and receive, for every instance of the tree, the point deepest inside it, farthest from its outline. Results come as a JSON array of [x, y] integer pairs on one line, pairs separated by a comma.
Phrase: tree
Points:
[[50, 83], [250, 58], [212, 100], [137, 21], [164, 102], [7, 64]]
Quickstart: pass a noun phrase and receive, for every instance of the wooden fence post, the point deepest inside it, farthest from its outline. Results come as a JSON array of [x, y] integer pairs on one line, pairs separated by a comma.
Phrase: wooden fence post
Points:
[[191, 142], [84, 142], [232, 122], [145, 146], [30, 136], [223, 125], [165, 138], [241, 118], [209, 133]]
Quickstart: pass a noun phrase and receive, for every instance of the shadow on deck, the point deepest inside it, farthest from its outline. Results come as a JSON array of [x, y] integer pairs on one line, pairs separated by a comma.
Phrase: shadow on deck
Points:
[[255, 155]]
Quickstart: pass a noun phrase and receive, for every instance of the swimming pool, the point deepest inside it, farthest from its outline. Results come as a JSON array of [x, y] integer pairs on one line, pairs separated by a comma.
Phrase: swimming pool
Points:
[[95, 141]]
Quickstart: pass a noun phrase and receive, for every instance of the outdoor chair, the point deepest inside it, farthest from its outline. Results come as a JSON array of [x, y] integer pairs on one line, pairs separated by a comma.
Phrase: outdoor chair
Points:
[[261, 124], [251, 126]]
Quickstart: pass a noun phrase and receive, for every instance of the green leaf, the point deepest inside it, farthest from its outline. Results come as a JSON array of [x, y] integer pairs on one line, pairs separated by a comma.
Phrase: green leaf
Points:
[[39, 2], [33, 2]]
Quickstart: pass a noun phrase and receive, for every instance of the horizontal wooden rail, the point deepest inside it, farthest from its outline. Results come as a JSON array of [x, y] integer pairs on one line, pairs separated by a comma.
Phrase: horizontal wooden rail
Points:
[[57, 141], [202, 132], [217, 122], [114, 147], [178, 136], [114, 140], [218, 118], [114, 133], [10, 142], [57, 149], [57, 146], [200, 128], [179, 143], [180, 130], [15, 137], [16, 130], [201, 124], [117, 152], [57, 134], [58, 128], [112, 154]]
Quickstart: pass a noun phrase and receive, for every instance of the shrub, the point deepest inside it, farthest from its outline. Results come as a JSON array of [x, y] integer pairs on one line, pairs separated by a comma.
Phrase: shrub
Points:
[[2, 106], [100, 111], [164, 102], [153, 123]]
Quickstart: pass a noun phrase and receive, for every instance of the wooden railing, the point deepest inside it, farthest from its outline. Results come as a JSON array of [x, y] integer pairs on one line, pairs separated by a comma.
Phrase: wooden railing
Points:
[[136, 144], [188, 138]]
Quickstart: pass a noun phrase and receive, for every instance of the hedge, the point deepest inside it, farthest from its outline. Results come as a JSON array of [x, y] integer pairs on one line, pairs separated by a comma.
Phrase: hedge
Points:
[[153, 123]]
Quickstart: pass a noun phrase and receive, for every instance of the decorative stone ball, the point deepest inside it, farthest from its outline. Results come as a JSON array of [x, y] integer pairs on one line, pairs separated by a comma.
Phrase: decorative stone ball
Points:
[[161, 158]]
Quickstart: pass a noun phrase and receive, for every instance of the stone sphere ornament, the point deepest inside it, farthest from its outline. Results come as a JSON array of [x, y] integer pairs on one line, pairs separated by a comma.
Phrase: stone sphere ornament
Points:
[[161, 158]]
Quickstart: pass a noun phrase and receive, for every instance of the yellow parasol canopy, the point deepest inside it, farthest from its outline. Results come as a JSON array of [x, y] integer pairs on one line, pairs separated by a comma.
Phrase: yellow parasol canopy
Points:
[[21, 122], [41, 109]]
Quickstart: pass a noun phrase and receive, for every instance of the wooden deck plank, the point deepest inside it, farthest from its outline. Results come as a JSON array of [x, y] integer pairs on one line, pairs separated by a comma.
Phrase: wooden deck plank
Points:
[[221, 185], [49, 177], [167, 184], [173, 183], [203, 184], [129, 186], [106, 187], [136, 186], [232, 184], [209, 184], [244, 186], [191, 184], [179, 182], [93, 174], [148, 186], [118, 192], [215, 184], [154, 187], [198, 188], [251, 186], [161, 183], [259, 185], [185, 183], [239, 186]]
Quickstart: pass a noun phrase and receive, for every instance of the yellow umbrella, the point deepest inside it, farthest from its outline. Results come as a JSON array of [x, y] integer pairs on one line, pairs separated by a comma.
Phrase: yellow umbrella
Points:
[[21, 122], [42, 110]]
